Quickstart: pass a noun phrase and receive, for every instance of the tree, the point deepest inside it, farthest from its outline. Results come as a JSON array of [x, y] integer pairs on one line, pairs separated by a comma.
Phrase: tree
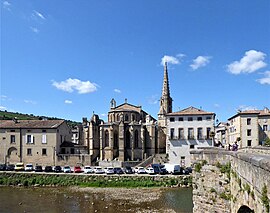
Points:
[[267, 142]]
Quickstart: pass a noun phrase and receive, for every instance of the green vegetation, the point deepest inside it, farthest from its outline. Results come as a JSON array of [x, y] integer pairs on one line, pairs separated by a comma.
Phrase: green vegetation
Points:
[[204, 162], [225, 169], [5, 115], [198, 167], [22, 179], [267, 142], [212, 190], [247, 188], [265, 199], [252, 195], [225, 196]]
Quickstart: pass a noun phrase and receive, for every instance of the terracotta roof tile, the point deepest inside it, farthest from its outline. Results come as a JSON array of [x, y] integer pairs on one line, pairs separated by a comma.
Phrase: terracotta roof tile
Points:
[[191, 111], [36, 124]]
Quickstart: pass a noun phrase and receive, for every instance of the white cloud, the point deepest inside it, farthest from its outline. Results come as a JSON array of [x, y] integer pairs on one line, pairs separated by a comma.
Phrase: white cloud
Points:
[[38, 14], [3, 108], [216, 105], [70, 85], [200, 61], [266, 79], [171, 59], [6, 5], [30, 102], [68, 102], [34, 29], [250, 62], [244, 108], [153, 99], [117, 90], [103, 115]]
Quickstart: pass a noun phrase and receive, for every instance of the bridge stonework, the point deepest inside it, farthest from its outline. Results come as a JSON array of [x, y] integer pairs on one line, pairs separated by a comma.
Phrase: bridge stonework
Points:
[[226, 181]]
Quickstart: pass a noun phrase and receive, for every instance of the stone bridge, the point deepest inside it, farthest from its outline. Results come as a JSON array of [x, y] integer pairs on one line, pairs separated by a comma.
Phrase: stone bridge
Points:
[[226, 181]]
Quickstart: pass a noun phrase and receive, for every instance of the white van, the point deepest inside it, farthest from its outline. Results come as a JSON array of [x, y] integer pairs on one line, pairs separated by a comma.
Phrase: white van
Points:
[[173, 168]]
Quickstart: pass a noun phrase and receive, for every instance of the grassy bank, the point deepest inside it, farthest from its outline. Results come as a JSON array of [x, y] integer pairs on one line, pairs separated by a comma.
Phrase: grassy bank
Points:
[[33, 179]]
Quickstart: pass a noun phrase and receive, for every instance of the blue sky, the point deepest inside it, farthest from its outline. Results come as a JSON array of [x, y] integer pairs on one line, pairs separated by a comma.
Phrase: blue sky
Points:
[[70, 58]]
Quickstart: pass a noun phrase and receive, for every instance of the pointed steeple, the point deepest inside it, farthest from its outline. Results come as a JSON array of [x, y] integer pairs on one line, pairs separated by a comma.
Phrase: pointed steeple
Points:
[[165, 100]]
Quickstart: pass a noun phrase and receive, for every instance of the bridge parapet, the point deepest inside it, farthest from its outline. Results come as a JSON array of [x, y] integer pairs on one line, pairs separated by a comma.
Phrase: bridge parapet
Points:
[[248, 177]]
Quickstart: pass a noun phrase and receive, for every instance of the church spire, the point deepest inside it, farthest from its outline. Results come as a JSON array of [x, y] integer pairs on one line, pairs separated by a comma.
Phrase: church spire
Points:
[[165, 100]]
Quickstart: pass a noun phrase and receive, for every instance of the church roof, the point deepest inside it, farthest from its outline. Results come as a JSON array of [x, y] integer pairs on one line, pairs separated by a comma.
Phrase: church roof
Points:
[[191, 111], [127, 107]]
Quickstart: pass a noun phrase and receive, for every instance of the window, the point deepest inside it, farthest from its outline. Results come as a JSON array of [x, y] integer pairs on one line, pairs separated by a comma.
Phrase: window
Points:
[[199, 119], [208, 130], [180, 119], [29, 151], [29, 139], [190, 119], [249, 143], [136, 139], [28, 130], [249, 132], [106, 138], [199, 133], [44, 130], [208, 118], [172, 119], [44, 151], [172, 133], [44, 139], [264, 127], [192, 146], [181, 133], [115, 139], [248, 121], [190, 133], [12, 130], [126, 117], [12, 138]]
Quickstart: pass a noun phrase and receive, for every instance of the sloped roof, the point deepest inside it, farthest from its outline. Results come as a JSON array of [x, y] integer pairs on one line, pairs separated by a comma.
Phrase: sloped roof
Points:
[[127, 107], [264, 112], [191, 111], [31, 124]]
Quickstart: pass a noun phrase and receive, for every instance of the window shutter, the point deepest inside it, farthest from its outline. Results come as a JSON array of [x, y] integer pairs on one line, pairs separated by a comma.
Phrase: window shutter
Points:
[[32, 138], [26, 138]]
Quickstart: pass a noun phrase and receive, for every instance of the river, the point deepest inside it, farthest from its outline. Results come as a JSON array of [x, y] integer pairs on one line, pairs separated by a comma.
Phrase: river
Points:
[[74, 199]]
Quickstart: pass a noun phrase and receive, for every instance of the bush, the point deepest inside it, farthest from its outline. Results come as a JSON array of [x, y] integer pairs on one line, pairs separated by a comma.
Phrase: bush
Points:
[[198, 167]]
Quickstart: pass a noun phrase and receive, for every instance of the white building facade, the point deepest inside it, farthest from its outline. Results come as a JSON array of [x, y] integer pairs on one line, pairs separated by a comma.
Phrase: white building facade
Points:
[[188, 129]]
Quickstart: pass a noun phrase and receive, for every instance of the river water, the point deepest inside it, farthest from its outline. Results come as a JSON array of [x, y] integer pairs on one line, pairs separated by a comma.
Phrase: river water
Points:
[[111, 200]]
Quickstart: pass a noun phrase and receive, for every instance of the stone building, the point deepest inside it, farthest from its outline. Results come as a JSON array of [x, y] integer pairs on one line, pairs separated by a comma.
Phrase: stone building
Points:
[[250, 127], [221, 134], [129, 135], [32, 141], [187, 130]]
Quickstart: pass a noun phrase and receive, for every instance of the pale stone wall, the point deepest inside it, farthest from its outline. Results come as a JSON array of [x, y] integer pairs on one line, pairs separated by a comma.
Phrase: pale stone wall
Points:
[[249, 173]]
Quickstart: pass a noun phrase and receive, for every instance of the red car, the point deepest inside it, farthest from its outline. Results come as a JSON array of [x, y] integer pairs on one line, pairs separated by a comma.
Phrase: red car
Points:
[[77, 169]]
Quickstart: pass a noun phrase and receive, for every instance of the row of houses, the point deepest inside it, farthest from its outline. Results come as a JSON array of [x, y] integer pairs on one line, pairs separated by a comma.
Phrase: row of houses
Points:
[[130, 135]]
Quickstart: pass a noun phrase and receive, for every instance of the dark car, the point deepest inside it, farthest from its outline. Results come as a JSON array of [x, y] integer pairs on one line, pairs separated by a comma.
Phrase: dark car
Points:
[[10, 167], [163, 171], [48, 169], [128, 170], [118, 170], [156, 168], [187, 170], [2, 167], [58, 169], [38, 168]]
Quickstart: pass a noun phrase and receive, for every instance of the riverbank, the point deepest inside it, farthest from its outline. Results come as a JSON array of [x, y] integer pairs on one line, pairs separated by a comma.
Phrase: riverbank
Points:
[[43, 179], [80, 200]]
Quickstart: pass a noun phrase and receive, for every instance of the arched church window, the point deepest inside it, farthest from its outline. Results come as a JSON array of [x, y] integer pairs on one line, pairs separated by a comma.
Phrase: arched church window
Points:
[[106, 138], [136, 139], [127, 139], [126, 117], [115, 139]]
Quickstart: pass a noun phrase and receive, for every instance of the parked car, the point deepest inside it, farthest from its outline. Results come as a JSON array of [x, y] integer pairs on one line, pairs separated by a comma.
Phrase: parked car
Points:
[[67, 169], [150, 171], [128, 170], [38, 168], [88, 170], [77, 169], [141, 170], [156, 168], [109, 170], [10, 167], [2, 167], [48, 169], [99, 170], [173, 168], [29, 167], [57, 169], [163, 171], [188, 169], [118, 170], [19, 167]]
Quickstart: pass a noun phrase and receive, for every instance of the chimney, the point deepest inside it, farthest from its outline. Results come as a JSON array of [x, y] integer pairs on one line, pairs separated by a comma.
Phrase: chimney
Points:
[[15, 119]]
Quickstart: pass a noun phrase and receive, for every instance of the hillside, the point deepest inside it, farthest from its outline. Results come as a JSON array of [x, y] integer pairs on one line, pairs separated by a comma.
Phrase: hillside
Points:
[[5, 115]]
